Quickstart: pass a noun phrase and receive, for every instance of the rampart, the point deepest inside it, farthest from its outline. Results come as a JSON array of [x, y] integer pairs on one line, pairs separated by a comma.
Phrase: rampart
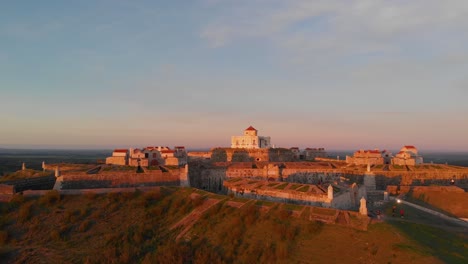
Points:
[[7, 189], [36, 183], [113, 179], [423, 178], [210, 175]]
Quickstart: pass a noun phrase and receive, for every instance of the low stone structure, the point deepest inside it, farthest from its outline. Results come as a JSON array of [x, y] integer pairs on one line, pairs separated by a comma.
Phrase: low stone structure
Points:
[[334, 196], [33, 183], [117, 176]]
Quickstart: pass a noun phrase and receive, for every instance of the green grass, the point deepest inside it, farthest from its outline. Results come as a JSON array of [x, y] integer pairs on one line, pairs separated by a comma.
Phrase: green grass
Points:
[[303, 188], [264, 203], [28, 173], [294, 186], [398, 167], [281, 186], [450, 247], [273, 184]]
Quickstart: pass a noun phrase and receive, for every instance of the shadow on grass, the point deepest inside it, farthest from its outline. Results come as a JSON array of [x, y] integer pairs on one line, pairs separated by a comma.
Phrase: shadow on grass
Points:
[[445, 245]]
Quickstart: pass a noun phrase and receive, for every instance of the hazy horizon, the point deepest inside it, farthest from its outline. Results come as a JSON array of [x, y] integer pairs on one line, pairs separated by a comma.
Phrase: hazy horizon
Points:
[[335, 74]]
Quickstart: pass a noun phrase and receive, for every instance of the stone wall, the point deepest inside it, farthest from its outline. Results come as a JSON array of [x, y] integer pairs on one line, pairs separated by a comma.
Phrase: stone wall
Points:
[[310, 176], [112, 179], [7, 189], [37, 183], [251, 190], [251, 155], [206, 177], [385, 178], [349, 199]]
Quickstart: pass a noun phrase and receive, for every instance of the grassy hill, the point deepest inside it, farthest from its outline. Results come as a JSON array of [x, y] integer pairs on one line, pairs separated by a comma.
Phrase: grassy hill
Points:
[[184, 225]]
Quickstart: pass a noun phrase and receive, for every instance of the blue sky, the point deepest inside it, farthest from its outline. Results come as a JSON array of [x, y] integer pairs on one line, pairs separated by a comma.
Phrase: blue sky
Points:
[[334, 74]]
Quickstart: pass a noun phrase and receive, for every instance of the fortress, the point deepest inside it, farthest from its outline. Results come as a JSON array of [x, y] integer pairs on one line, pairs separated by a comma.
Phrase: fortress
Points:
[[253, 168]]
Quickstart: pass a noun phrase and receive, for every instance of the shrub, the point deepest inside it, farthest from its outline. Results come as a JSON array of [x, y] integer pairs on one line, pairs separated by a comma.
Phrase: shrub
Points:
[[50, 198], [24, 212], [69, 216], [55, 235], [84, 226], [17, 200], [3, 237], [91, 196]]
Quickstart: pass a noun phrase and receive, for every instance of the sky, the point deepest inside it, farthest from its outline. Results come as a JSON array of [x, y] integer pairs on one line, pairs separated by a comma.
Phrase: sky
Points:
[[339, 74]]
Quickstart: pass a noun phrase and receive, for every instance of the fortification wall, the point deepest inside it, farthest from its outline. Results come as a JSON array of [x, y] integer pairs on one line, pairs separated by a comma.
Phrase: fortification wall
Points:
[[7, 189], [112, 179], [349, 199], [252, 155], [209, 176], [37, 183], [203, 176], [279, 196], [310, 176], [385, 178]]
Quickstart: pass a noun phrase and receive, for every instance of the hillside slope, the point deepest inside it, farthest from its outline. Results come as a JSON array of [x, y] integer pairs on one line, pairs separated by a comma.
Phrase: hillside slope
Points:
[[154, 227]]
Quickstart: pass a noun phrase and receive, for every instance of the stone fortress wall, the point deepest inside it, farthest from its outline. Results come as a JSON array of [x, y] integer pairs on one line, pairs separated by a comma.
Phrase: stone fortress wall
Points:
[[209, 176], [111, 177]]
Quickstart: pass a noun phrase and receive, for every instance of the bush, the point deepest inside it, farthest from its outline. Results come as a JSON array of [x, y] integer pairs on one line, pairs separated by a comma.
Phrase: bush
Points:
[[17, 200], [3, 237], [55, 235], [69, 217], [84, 226], [24, 212], [50, 198], [91, 196]]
